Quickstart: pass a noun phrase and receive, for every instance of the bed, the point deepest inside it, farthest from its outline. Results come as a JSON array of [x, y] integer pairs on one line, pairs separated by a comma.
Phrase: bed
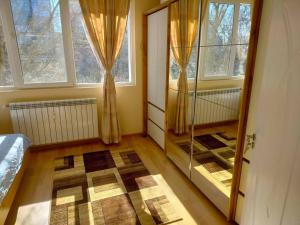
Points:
[[13, 161]]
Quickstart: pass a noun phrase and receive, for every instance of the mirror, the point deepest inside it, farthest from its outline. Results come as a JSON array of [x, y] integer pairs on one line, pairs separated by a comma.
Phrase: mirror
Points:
[[215, 82], [182, 81]]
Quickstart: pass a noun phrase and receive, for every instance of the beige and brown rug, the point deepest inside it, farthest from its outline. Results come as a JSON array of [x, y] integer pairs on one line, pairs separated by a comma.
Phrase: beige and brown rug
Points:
[[107, 187], [216, 153]]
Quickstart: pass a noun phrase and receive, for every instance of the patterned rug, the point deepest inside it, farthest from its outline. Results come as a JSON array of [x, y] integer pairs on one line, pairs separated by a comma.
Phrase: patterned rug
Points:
[[107, 187], [215, 152]]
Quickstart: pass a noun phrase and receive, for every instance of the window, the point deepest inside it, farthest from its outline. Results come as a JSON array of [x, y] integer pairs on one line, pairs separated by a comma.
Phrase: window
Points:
[[40, 41], [6, 79], [225, 40], [47, 53], [88, 70]]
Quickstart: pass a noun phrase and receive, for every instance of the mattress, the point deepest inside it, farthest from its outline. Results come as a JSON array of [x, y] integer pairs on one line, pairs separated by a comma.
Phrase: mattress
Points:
[[12, 151]]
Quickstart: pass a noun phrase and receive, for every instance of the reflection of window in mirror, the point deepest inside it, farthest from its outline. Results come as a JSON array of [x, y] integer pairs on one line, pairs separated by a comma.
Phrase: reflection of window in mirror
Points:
[[191, 67], [224, 40]]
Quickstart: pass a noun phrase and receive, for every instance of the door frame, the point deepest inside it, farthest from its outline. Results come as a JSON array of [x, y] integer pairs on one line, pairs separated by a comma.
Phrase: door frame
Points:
[[240, 146]]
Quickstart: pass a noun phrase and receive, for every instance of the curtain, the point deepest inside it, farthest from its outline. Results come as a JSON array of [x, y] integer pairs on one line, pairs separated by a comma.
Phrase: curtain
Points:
[[105, 22], [184, 27]]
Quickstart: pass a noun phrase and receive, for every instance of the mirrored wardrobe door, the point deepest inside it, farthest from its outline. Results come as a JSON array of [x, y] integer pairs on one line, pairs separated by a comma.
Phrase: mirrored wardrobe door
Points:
[[225, 29], [182, 72]]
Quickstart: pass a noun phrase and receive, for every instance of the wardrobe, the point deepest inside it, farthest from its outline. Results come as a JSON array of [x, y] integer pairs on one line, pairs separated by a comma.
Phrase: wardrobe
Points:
[[155, 104], [196, 109]]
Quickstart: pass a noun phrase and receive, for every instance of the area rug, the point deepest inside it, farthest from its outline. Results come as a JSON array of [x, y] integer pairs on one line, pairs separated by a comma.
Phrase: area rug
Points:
[[107, 187]]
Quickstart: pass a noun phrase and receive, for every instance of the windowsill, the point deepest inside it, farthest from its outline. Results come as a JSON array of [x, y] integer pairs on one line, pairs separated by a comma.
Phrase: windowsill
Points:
[[223, 78], [77, 86], [212, 78], [95, 85]]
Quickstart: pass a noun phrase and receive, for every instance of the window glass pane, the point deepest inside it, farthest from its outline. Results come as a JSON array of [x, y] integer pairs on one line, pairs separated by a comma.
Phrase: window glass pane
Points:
[[244, 25], [191, 68], [121, 67], [218, 39], [216, 60], [174, 68], [220, 23], [88, 69], [40, 42], [5, 74]]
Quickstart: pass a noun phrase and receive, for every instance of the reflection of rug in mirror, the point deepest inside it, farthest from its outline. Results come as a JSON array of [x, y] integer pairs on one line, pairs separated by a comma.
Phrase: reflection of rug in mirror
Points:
[[107, 187], [186, 146], [209, 141], [215, 154], [228, 155], [228, 136], [219, 170], [212, 163]]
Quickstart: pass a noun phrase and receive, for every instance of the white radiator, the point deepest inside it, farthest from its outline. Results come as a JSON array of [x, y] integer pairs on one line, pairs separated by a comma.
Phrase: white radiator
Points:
[[216, 105], [49, 122]]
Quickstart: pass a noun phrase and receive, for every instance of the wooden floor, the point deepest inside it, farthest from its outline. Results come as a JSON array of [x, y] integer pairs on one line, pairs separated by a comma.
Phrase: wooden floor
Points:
[[32, 203]]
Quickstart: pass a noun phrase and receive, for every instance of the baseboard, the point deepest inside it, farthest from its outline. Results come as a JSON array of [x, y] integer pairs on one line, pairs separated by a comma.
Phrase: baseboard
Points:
[[211, 125], [76, 143], [216, 124], [133, 134], [65, 144]]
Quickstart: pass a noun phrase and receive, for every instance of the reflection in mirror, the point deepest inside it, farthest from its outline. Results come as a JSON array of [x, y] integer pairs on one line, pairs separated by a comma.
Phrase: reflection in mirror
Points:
[[183, 66], [214, 98], [223, 52]]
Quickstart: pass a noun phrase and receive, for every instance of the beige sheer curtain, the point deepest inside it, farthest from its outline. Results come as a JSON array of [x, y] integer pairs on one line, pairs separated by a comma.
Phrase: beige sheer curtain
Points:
[[184, 24], [106, 22]]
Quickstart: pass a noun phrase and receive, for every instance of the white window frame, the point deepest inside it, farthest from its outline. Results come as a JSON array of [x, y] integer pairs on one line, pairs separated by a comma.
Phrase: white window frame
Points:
[[131, 53], [230, 75], [14, 57]]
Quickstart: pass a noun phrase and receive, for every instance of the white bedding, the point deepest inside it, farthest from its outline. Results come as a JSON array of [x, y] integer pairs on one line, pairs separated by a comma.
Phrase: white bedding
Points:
[[12, 150]]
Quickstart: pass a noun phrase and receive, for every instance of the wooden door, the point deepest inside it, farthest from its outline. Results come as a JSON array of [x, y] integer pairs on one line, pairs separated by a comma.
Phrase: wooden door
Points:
[[272, 192]]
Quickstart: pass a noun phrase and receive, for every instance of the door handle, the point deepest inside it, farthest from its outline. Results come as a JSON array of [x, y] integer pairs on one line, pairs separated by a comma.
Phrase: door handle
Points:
[[250, 142]]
